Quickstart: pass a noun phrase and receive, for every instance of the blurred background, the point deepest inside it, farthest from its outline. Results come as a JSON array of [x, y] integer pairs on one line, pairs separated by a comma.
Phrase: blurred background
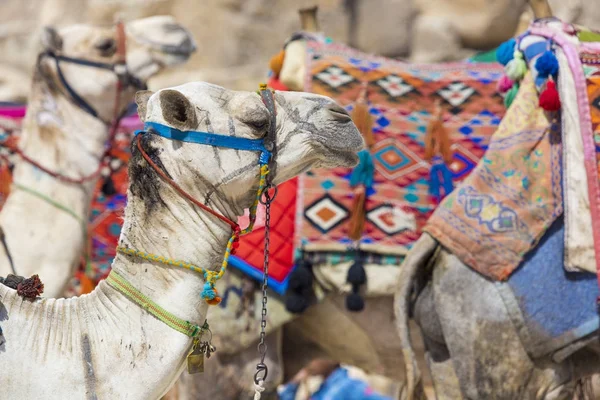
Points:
[[236, 38]]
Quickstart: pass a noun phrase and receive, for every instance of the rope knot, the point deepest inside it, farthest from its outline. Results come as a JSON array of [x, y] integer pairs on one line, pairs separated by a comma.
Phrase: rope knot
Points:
[[209, 292], [258, 389]]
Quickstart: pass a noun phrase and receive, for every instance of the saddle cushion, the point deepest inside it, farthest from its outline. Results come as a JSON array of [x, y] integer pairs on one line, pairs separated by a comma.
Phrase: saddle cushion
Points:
[[504, 207], [402, 99]]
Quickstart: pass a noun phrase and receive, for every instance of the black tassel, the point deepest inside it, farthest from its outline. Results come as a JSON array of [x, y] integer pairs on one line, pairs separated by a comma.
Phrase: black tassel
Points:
[[354, 301], [301, 276], [296, 303], [300, 287], [356, 273], [357, 276], [108, 187]]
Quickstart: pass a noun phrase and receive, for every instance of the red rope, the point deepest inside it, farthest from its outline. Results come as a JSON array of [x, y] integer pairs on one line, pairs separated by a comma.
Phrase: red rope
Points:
[[182, 192]]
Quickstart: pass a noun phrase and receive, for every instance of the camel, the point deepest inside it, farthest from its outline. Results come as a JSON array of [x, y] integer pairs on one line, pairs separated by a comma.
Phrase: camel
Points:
[[104, 345], [66, 131], [480, 338]]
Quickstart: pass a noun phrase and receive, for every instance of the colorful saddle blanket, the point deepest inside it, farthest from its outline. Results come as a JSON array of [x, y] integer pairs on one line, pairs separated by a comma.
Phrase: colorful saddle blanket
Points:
[[401, 97], [501, 211]]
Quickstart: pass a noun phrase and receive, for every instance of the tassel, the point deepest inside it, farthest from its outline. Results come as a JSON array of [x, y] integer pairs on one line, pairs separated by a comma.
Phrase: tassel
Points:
[[505, 52], [517, 67], [504, 84], [354, 301], [356, 273], [276, 62], [295, 303], [440, 177], [357, 214], [547, 65], [363, 173], [301, 277], [300, 287], [550, 99], [210, 294], [108, 187], [357, 276], [437, 139], [510, 95], [362, 118]]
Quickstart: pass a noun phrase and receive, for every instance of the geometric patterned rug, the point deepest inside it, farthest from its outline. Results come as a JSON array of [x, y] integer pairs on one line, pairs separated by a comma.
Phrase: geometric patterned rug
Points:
[[401, 97]]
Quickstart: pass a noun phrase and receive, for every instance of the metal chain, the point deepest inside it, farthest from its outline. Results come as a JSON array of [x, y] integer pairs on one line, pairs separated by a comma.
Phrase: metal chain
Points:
[[261, 368]]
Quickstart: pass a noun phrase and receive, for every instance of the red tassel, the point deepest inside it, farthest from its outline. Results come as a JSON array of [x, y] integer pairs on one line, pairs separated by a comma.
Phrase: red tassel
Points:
[[549, 99], [357, 215]]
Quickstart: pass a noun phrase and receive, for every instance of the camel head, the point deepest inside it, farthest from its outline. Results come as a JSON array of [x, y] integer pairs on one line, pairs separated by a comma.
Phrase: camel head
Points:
[[152, 44], [311, 131]]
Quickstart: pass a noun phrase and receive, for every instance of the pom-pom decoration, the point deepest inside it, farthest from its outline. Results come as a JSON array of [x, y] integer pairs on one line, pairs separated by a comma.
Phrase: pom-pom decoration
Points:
[[505, 84], [549, 98], [505, 52], [517, 67], [547, 65], [510, 96]]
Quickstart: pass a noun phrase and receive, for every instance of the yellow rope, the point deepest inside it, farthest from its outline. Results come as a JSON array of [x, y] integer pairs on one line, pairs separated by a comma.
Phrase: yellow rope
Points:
[[211, 277]]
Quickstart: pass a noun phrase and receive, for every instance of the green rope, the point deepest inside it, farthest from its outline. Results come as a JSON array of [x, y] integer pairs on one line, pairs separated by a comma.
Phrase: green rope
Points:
[[62, 207], [187, 328]]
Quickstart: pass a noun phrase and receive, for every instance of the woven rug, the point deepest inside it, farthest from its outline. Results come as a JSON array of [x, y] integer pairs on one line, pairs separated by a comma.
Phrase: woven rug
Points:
[[505, 206], [501, 211], [401, 97]]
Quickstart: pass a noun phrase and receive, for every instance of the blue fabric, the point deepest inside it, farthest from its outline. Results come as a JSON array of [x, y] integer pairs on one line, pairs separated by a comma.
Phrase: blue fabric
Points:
[[534, 50], [337, 386], [210, 139], [556, 306]]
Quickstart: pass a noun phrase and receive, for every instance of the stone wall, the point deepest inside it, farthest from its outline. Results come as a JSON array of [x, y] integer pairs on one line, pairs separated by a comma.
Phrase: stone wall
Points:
[[237, 37]]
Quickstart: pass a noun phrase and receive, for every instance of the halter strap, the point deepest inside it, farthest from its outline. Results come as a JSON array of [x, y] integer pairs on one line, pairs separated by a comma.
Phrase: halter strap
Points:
[[266, 162], [209, 139], [119, 68], [122, 285]]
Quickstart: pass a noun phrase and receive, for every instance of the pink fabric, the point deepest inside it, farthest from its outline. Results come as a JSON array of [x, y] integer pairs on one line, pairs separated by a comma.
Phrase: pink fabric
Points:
[[589, 150], [13, 112]]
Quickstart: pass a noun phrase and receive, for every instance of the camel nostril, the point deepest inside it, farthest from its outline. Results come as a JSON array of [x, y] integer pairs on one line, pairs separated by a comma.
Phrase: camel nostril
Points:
[[338, 112]]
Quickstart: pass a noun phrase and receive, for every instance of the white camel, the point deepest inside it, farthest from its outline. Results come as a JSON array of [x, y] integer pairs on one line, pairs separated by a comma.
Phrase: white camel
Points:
[[104, 345], [66, 130]]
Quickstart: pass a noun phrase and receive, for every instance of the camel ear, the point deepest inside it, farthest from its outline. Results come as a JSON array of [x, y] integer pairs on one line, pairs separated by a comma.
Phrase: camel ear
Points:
[[141, 99], [51, 39], [177, 110]]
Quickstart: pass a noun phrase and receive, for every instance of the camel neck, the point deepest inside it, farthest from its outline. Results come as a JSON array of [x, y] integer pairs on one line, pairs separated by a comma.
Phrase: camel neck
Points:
[[64, 139], [178, 230]]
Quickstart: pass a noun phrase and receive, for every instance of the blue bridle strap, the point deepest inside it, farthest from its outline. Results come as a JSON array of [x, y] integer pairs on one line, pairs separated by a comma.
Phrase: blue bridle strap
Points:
[[210, 139]]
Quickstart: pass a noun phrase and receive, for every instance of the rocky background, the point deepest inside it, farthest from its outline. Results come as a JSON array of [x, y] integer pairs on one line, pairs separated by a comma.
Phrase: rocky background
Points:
[[236, 38]]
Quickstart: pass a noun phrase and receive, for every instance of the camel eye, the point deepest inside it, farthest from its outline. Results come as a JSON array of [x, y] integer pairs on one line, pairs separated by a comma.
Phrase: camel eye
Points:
[[107, 47]]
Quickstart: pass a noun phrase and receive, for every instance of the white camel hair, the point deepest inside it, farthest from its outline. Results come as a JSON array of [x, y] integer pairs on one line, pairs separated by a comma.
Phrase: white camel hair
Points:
[[103, 345], [63, 137]]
